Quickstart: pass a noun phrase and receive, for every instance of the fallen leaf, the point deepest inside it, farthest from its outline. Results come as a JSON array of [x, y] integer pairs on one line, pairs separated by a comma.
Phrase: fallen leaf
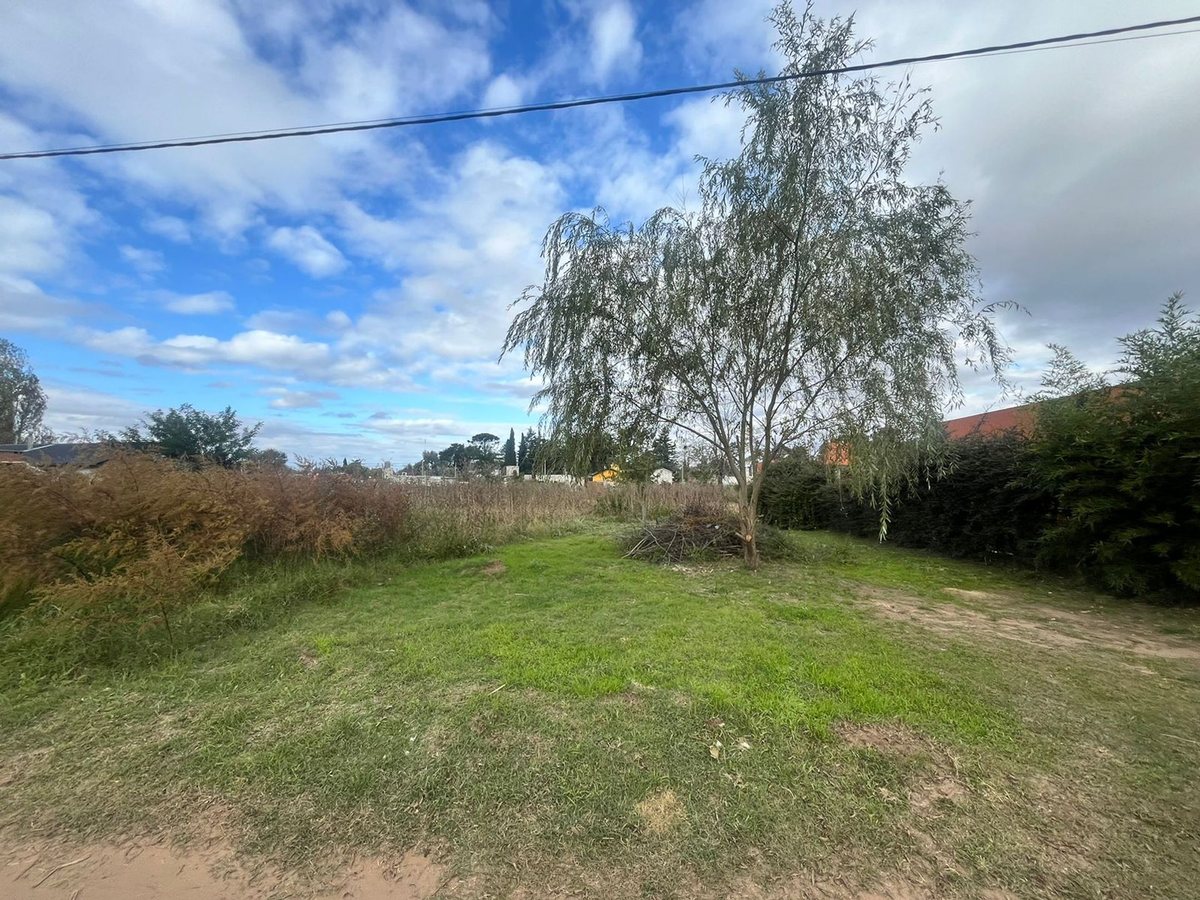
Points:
[[743, 744], [714, 750]]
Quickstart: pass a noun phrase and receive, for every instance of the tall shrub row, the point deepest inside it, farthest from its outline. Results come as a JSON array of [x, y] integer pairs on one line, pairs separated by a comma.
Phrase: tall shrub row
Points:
[[140, 537], [1107, 486], [983, 507]]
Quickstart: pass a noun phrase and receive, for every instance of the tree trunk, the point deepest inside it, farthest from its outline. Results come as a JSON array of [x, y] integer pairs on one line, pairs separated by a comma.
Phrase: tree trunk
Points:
[[749, 514], [750, 537]]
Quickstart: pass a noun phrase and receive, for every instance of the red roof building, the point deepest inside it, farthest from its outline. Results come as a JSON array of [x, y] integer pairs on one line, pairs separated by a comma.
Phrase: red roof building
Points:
[[1016, 419]]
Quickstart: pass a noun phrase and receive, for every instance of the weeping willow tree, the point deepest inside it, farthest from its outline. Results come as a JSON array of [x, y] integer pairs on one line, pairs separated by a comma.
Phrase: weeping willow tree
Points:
[[814, 298]]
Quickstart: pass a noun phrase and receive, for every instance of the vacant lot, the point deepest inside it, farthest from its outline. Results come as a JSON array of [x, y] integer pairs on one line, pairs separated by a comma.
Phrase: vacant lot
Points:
[[552, 720]]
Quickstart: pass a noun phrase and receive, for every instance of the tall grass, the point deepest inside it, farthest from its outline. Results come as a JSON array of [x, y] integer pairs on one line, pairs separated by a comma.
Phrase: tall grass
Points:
[[141, 538]]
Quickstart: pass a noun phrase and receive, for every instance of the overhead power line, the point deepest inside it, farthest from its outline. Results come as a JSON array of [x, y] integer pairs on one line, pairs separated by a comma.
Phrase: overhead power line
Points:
[[466, 115]]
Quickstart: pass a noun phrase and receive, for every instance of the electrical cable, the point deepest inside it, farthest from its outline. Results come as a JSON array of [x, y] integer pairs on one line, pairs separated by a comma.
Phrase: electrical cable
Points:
[[467, 115]]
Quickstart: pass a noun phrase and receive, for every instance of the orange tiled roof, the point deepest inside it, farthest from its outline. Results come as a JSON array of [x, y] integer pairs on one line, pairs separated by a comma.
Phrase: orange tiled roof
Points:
[[1019, 419]]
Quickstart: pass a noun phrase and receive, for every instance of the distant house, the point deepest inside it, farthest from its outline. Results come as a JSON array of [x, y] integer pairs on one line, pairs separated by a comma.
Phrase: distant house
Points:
[[84, 456], [1018, 420], [1014, 419], [662, 475], [13, 458], [612, 473]]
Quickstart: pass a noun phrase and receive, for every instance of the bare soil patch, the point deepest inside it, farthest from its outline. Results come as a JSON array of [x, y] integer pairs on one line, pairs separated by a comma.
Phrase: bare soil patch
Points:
[[886, 737], [940, 783], [140, 871], [494, 568], [1032, 624]]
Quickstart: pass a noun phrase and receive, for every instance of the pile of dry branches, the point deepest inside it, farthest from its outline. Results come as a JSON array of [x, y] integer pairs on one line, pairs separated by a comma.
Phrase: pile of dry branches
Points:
[[696, 531]]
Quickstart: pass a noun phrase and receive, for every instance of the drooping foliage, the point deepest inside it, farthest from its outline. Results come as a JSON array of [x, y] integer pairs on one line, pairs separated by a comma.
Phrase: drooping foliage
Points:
[[815, 293], [1106, 487], [983, 505]]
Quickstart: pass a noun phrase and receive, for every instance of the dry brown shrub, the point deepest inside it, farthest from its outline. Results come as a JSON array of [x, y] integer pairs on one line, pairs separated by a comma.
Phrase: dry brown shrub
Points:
[[320, 514], [124, 544], [140, 536]]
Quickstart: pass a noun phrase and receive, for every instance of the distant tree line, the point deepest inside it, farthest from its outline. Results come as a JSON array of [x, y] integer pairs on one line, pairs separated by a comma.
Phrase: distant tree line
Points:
[[635, 456]]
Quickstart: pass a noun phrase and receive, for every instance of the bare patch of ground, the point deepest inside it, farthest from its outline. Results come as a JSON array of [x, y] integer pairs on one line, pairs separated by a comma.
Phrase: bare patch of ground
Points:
[[810, 886], [692, 570], [942, 782], [495, 567], [661, 813], [1036, 625], [886, 737], [141, 871]]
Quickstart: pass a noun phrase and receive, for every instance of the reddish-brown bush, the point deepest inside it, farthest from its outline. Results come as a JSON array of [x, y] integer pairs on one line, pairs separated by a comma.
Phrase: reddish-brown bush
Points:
[[141, 536], [128, 542]]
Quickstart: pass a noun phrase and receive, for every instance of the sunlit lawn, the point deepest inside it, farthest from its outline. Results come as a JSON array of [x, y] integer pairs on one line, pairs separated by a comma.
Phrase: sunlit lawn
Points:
[[570, 717]]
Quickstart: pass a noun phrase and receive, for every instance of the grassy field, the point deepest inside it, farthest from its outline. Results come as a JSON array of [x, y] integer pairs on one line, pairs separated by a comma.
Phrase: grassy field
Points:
[[552, 719]]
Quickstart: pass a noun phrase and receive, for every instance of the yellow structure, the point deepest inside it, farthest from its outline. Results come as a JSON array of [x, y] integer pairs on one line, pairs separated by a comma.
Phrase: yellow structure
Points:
[[608, 474]]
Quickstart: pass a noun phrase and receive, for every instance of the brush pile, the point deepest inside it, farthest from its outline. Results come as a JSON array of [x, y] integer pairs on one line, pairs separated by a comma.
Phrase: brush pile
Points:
[[698, 531]]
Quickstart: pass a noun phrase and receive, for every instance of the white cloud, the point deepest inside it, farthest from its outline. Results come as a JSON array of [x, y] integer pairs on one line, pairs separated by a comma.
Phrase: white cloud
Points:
[[383, 240], [25, 307], [614, 43], [286, 398], [197, 351], [502, 91], [420, 427], [719, 36], [707, 127], [308, 249], [206, 304], [467, 254], [74, 409], [145, 262], [170, 227], [130, 68], [41, 213], [28, 238], [631, 179], [386, 64]]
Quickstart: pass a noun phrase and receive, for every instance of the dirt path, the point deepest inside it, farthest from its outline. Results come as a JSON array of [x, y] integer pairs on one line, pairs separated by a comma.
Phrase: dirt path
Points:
[[152, 872], [980, 614], [140, 872]]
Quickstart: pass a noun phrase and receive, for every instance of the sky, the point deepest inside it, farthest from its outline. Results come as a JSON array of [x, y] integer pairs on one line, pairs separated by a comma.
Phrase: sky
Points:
[[351, 292]]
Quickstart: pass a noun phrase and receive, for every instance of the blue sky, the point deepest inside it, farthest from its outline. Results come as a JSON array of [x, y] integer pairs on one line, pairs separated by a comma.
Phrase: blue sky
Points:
[[352, 291]]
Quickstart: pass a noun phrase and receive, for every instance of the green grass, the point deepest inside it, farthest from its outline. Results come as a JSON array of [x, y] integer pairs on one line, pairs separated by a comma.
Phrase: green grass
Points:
[[515, 721]]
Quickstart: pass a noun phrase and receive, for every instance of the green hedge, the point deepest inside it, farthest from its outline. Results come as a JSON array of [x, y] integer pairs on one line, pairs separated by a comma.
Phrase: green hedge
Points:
[[1106, 487], [985, 507]]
